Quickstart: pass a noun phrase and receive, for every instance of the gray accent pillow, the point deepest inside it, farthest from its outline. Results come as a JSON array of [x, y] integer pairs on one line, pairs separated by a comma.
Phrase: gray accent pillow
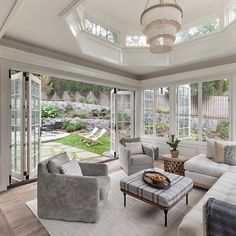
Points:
[[55, 163], [230, 155]]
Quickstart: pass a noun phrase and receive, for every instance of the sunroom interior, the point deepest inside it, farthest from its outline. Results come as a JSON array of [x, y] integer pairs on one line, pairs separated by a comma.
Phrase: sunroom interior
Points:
[[188, 92]]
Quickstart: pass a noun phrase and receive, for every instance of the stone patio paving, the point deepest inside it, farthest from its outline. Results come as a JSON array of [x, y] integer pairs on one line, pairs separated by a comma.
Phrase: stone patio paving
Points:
[[49, 149]]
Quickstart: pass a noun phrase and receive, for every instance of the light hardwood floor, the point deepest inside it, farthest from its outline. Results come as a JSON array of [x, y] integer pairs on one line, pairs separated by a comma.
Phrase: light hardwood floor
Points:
[[15, 217]]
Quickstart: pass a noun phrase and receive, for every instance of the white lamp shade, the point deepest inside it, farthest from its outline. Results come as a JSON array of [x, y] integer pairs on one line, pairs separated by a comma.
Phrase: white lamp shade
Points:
[[160, 23]]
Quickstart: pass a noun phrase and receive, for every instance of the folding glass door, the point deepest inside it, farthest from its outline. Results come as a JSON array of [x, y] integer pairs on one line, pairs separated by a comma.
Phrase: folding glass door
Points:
[[25, 123], [122, 117]]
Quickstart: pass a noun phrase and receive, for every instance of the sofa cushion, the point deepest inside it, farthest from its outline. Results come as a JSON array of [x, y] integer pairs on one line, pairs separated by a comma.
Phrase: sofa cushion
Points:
[[210, 148], [71, 168], [104, 183], [135, 148], [203, 165], [140, 159], [55, 163]]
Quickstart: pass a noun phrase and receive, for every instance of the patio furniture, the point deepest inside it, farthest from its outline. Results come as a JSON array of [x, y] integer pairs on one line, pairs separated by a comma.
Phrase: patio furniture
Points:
[[89, 135], [132, 163], [71, 198], [96, 139], [164, 199]]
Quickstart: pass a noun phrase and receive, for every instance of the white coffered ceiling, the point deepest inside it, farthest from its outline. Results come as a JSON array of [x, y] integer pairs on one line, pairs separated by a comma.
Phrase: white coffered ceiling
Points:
[[38, 23]]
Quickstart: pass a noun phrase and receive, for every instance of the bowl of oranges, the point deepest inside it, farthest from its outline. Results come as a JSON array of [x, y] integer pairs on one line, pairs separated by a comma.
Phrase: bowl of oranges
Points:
[[156, 179]]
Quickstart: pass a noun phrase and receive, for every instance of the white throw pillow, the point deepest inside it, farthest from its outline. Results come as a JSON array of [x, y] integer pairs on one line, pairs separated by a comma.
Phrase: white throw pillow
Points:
[[135, 148], [71, 168]]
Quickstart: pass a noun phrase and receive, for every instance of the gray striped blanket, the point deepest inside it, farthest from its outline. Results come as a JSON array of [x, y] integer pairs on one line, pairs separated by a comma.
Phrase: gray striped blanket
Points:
[[220, 218], [180, 186]]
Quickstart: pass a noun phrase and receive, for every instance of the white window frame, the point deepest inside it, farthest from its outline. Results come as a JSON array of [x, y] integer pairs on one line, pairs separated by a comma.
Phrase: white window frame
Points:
[[173, 106], [154, 109]]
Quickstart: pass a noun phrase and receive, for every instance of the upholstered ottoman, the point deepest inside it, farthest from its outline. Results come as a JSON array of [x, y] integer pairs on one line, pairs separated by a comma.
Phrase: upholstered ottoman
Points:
[[134, 186]]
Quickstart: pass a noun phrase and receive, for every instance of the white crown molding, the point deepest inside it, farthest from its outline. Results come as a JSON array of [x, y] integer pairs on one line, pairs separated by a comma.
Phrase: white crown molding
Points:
[[69, 68], [206, 73], [11, 14]]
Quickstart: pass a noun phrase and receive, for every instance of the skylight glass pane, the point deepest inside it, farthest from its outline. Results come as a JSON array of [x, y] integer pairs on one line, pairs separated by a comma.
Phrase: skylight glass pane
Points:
[[232, 14], [100, 31], [197, 31], [136, 41]]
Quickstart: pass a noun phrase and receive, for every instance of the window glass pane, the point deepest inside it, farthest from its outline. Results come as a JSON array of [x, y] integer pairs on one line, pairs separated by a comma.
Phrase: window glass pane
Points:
[[187, 112], [162, 112], [100, 31], [148, 111], [194, 32], [136, 41], [215, 108], [232, 14]]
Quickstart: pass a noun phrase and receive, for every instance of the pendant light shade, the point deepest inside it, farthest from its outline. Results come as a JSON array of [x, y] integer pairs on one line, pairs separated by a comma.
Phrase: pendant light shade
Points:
[[160, 23]]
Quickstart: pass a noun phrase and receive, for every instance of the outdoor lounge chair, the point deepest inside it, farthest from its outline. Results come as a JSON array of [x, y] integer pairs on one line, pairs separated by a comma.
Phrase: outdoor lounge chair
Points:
[[95, 140], [89, 135]]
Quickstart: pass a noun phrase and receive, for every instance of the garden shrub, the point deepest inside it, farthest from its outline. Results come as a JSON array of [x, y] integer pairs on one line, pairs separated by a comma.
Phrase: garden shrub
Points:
[[162, 111], [162, 127], [104, 112], [95, 112], [69, 111], [223, 129], [50, 111], [83, 114], [74, 127]]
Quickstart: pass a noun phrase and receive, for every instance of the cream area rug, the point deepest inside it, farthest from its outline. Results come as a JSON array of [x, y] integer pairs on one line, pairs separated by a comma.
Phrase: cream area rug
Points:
[[136, 219]]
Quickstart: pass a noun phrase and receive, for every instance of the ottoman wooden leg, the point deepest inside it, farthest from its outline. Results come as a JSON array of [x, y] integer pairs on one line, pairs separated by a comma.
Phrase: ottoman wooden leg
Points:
[[187, 199], [125, 199], [166, 212]]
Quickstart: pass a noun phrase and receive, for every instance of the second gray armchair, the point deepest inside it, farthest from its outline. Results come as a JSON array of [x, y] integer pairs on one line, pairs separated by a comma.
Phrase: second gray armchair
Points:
[[71, 198], [132, 161]]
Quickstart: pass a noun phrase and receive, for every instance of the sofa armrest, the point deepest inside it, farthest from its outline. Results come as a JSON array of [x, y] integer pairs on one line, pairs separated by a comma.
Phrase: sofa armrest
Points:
[[94, 169], [148, 150], [62, 192], [219, 218]]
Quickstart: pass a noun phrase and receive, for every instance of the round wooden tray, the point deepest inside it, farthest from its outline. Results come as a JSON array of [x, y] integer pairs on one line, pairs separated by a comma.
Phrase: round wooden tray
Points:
[[162, 184]]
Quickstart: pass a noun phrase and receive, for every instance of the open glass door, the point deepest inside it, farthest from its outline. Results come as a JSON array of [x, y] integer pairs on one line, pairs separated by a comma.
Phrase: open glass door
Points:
[[25, 123], [17, 126], [122, 117], [34, 123]]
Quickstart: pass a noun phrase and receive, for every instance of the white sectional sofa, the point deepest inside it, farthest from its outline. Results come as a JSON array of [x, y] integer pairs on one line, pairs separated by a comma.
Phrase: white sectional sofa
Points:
[[204, 171], [219, 177]]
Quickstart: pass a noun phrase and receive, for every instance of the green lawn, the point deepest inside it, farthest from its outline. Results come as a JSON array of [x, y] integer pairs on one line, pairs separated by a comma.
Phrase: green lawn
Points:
[[74, 140]]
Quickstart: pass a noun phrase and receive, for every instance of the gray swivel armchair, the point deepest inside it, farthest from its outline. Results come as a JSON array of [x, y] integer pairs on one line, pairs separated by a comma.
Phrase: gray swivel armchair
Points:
[[72, 198], [134, 163]]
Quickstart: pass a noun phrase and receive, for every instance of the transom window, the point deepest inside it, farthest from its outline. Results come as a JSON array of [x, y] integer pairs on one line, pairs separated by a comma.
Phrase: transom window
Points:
[[200, 30], [136, 41], [100, 31], [232, 14]]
